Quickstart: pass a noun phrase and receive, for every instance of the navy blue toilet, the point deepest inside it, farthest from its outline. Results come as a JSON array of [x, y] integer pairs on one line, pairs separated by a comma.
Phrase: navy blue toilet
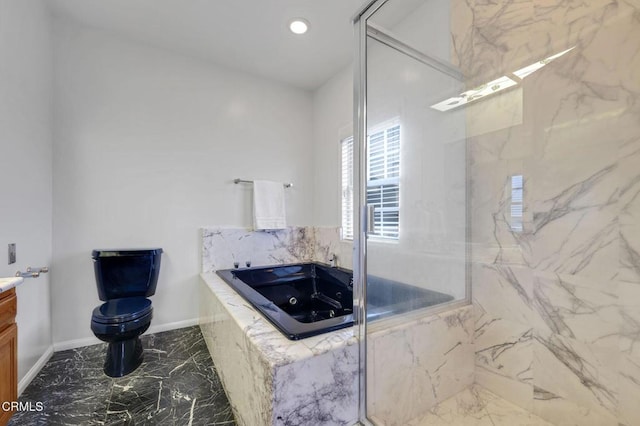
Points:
[[125, 278]]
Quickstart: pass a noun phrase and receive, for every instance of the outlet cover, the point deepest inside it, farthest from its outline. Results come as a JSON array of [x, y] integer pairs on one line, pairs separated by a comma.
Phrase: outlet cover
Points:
[[12, 253]]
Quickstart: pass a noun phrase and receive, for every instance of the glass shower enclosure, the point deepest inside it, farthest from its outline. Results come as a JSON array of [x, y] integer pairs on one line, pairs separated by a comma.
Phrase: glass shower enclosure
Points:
[[497, 152]]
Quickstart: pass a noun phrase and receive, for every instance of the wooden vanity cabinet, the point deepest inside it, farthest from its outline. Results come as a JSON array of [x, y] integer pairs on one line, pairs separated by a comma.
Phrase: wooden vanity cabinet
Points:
[[8, 352]]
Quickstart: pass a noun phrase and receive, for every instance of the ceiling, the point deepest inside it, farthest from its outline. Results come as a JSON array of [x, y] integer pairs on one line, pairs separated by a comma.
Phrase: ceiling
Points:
[[247, 35]]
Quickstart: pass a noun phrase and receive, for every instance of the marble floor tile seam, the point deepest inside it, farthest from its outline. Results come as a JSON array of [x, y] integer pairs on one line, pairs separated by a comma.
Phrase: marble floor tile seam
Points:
[[476, 406], [534, 420], [497, 419]]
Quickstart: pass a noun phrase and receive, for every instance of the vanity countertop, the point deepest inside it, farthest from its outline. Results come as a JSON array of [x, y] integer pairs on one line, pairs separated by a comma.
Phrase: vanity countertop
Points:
[[9, 283]]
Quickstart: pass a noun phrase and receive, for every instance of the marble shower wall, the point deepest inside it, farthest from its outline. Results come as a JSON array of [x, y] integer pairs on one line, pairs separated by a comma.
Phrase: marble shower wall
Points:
[[557, 304]]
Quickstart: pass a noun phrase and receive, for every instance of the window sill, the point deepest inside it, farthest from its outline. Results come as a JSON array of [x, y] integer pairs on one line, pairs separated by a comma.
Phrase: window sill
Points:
[[382, 241]]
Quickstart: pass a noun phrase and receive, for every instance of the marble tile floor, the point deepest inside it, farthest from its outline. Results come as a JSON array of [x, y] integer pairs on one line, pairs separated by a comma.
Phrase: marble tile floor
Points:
[[476, 406], [176, 385]]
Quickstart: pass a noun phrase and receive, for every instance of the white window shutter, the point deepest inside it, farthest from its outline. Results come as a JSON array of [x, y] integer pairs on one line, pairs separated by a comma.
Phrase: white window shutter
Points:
[[383, 182], [347, 188]]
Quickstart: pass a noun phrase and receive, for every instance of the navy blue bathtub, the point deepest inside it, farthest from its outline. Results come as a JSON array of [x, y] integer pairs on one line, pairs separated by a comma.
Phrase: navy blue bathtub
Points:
[[307, 299]]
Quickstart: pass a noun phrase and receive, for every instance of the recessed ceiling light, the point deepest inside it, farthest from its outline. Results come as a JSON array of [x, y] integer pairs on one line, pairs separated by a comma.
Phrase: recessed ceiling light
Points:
[[299, 26]]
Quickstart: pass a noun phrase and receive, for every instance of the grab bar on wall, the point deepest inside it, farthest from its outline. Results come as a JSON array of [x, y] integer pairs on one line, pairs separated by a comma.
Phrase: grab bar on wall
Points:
[[236, 181]]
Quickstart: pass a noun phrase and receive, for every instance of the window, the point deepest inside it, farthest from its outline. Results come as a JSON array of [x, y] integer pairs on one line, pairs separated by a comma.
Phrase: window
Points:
[[383, 182], [347, 188]]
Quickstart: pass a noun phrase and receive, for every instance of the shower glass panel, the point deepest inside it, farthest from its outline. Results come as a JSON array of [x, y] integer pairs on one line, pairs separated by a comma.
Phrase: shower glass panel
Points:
[[499, 194], [415, 187]]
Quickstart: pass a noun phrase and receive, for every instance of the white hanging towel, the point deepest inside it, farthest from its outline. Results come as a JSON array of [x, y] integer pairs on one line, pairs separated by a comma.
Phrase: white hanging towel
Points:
[[268, 205]]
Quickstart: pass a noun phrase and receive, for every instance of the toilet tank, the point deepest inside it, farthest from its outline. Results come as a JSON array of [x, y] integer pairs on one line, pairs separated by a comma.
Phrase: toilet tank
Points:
[[126, 272]]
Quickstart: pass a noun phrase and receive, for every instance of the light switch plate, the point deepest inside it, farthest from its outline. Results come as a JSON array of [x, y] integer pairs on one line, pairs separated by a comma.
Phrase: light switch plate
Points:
[[12, 253]]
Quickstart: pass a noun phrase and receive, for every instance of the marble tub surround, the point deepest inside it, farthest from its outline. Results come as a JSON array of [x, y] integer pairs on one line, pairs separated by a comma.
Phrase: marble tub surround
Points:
[[176, 384], [271, 380], [556, 304], [314, 380], [415, 365], [223, 247], [311, 381]]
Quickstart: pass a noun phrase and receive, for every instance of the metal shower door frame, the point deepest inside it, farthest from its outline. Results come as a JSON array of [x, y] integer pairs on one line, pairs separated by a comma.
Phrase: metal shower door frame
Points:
[[362, 31]]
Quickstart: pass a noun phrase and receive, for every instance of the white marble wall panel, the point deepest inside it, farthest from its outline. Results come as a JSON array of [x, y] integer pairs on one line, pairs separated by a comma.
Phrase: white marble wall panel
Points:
[[563, 293], [503, 335], [328, 242], [391, 389], [502, 293], [493, 238], [629, 390], [581, 373], [629, 303], [575, 214], [222, 247], [509, 139], [322, 390], [577, 308], [417, 364], [505, 348], [630, 331], [493, 38]]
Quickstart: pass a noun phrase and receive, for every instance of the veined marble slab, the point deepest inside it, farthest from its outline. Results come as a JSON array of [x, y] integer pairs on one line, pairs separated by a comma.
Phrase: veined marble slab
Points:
[[222, 247], [578, 308], [417, 364], [271, 380], [558, 317]]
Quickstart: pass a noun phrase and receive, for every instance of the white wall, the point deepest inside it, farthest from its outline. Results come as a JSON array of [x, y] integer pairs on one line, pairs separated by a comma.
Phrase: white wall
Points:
[[332, 122], [25, 163], [146, 144]]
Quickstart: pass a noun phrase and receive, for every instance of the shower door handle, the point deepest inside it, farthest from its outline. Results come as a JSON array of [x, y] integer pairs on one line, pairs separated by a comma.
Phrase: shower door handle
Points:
[[371, 210]]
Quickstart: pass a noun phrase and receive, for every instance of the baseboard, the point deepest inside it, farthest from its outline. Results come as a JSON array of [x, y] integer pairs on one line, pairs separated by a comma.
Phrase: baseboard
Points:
[[172, 326], [88, 341], [33, 372], [76, 343]]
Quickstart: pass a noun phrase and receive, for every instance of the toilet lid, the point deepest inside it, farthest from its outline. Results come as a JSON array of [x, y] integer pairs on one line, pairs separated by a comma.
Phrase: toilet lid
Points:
[[122, 310]]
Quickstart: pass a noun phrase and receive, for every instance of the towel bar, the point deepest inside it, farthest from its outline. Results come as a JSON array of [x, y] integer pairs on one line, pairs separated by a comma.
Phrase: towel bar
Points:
[[236, 181]]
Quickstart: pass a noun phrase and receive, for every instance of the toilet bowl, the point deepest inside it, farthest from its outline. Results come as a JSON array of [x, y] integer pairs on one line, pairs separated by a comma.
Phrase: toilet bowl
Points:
[[124, 279]]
